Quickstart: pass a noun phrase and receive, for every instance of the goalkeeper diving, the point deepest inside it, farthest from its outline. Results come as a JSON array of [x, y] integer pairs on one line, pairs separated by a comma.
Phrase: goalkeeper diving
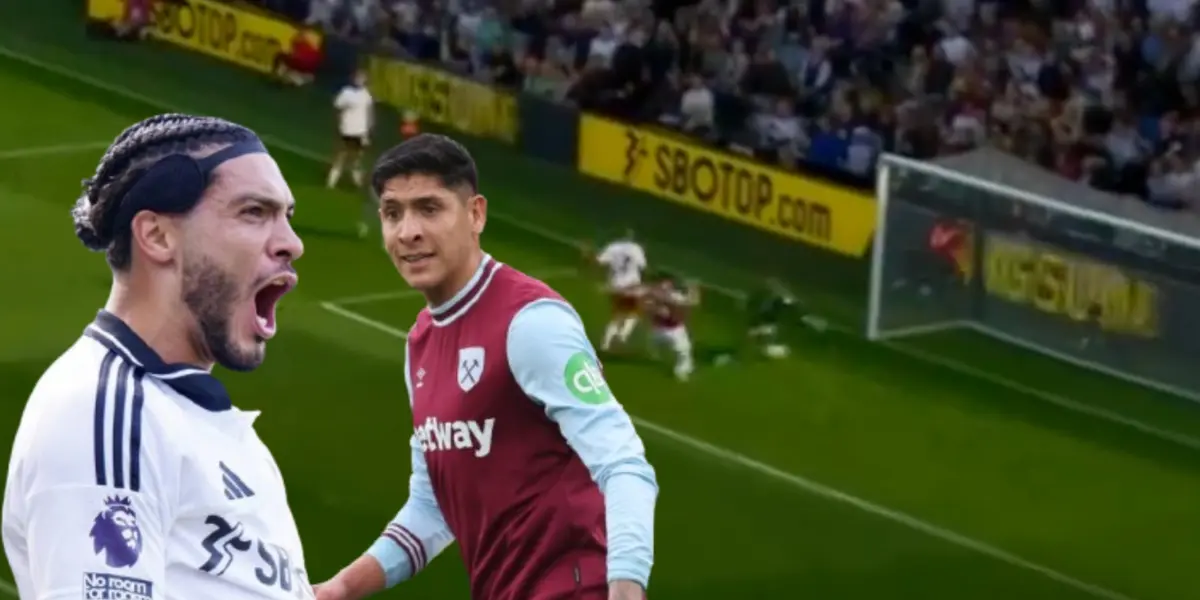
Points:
[[768, 312]]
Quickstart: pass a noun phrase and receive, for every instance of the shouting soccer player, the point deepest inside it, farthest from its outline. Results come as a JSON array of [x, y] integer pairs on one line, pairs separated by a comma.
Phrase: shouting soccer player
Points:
[[625, 260], [127, 438], [521, 453]]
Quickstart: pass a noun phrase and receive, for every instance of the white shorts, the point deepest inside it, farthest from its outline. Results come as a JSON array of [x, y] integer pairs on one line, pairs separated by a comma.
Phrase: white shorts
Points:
[[625, 280], [675, 338]]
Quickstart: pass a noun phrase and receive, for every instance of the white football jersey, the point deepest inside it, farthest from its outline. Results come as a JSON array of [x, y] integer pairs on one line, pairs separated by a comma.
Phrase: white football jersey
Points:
[[625, 260], [134, 479], [355, 106]]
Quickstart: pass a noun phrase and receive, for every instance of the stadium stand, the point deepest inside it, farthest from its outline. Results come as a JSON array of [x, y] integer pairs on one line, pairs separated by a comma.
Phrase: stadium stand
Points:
[[1099, 91]]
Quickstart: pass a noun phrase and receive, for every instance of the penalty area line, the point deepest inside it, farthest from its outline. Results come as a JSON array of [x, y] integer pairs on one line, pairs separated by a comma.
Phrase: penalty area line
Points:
[[818, 489], [32, 151]]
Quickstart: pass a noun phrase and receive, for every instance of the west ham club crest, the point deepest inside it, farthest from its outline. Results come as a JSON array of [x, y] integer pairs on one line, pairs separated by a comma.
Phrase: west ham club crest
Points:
[[470, 367]]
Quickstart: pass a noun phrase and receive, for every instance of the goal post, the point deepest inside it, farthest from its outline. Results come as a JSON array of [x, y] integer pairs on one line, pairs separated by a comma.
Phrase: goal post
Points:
[[987, 243]]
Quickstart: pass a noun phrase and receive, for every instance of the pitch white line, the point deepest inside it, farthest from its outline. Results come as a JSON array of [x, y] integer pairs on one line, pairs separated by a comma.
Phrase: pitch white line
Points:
[[376, 297], [815, 488], [409, 293], [369, 322], [554, 236], [1063, 402], [32, 151]]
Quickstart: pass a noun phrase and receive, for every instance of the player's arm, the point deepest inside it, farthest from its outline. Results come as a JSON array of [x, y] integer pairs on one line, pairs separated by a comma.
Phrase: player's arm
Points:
[[687, 297], [555, 364], [606, 257], [414, 537], [96, 510], [342, 101]]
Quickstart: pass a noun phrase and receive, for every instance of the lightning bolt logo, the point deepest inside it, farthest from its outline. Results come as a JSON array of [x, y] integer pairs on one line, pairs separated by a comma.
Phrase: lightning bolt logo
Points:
[[635, 152]]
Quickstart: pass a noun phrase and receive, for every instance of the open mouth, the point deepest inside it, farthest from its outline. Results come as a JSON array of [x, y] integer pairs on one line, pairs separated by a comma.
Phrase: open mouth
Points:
[[266, 299], [416, 257]]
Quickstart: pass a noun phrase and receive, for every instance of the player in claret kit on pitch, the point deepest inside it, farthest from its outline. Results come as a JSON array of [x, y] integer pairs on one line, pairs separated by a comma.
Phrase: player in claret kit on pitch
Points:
[[132, 475], [669, 304], [520, 452], [625, 260]]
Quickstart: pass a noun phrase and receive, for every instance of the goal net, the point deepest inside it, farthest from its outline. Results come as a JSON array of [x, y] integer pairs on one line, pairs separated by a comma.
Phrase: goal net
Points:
[[986, 242]]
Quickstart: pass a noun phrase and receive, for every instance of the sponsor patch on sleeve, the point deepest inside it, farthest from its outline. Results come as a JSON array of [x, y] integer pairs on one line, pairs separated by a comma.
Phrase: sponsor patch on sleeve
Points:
[[585, 380]]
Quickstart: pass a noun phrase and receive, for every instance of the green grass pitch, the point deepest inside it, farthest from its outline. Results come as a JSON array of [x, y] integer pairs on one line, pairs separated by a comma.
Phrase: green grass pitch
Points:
[[849, 470]]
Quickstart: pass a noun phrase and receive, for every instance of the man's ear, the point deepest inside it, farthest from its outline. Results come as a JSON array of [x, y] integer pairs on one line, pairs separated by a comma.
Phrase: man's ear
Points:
[[155, 236], [478, 207]]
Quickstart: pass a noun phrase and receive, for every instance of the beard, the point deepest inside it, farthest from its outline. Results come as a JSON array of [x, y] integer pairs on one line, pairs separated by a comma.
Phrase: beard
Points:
[[210, 293]]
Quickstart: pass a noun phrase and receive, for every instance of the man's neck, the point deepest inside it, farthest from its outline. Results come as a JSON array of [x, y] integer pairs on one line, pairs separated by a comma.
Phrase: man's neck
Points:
[[456, 282], [158, 326]]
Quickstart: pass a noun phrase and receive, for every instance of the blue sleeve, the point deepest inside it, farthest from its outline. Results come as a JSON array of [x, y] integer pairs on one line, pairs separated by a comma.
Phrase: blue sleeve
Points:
[[419, 532], [556, 366]]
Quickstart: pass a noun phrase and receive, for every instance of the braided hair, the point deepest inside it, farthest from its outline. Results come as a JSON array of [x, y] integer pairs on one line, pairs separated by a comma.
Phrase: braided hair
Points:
[[127, 159]]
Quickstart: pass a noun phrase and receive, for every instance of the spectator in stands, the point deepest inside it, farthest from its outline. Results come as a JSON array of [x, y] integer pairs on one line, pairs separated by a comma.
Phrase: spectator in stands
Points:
[[782, 135], [544, 78], [1102, 91], [696, 106], [320, 14], [499, 67]]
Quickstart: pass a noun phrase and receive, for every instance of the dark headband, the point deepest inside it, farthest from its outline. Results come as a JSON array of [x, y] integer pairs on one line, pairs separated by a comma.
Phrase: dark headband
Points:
[[175, 183]]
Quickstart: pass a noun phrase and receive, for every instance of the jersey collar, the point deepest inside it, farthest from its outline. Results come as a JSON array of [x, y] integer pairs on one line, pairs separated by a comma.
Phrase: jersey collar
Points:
[[452, 309], [197, 385]]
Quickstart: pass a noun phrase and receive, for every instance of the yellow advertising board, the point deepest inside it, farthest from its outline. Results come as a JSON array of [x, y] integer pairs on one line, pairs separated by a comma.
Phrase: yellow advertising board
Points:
[[240, 36], [448, 100], [738, 189], [1069, 286]]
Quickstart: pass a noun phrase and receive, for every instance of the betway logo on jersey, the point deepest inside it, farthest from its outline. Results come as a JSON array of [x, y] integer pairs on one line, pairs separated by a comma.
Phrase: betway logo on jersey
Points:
[[437, 435], [104, 586]]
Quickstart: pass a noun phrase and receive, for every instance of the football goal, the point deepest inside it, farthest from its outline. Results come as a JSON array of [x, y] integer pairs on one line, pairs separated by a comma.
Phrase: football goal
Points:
[[986, 242]]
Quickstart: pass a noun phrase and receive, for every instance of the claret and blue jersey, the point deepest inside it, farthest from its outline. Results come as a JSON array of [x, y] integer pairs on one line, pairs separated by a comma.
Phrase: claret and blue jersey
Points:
[[136, 479], [520, 451]]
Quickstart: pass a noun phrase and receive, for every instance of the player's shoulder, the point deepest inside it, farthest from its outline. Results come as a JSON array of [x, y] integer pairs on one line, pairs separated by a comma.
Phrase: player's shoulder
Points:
[[522, 287], [85, 413], [356, 91], [421, 324], [70, 383]]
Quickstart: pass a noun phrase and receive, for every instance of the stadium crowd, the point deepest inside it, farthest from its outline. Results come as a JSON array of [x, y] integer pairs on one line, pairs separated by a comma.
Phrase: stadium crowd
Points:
[[1101, 91]]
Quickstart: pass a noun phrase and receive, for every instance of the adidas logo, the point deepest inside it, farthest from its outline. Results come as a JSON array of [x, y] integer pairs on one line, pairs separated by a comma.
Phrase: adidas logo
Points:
[[235, 488]]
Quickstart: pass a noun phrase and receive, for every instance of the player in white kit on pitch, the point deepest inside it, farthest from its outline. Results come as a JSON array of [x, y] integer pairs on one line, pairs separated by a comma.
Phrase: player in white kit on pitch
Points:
[[625, 260], [356, 117], [132, 475]]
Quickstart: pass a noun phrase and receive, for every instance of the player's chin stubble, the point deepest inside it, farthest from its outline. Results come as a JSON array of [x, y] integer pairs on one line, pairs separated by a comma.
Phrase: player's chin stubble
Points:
[[211, 294]]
